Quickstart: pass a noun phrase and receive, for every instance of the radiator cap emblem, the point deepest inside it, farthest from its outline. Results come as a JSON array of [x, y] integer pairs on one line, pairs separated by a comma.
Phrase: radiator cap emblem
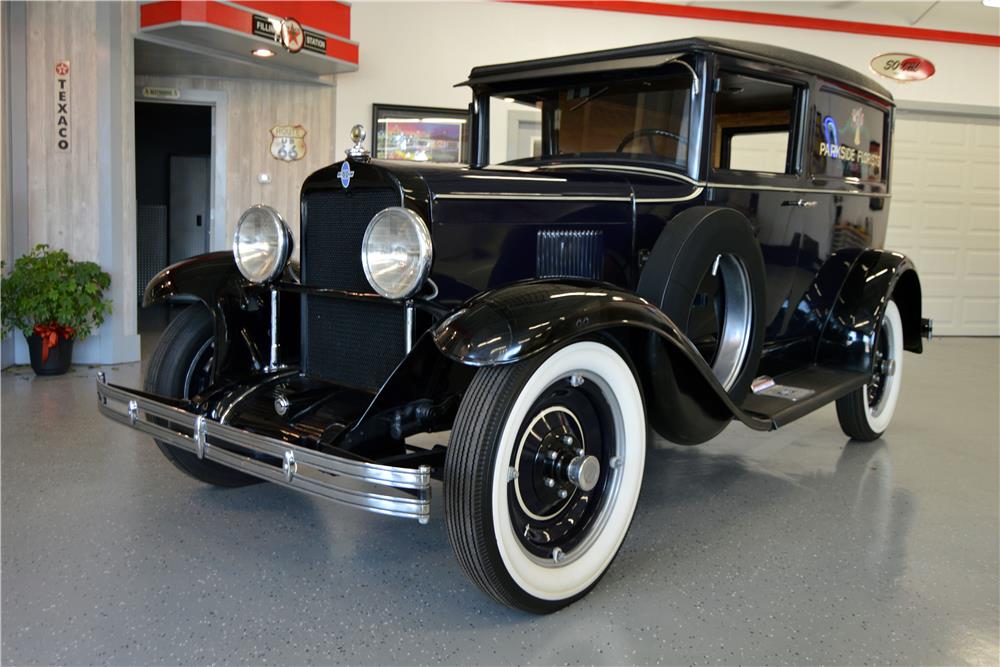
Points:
[[346, 174], [358, 151]]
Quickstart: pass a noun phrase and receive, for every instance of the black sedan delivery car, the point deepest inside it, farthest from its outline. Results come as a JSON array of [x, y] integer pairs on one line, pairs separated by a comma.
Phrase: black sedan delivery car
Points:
[[697, 240]]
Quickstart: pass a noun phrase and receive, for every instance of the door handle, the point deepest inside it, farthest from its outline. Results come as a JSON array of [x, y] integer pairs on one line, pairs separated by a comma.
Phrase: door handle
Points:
[[800, 203]]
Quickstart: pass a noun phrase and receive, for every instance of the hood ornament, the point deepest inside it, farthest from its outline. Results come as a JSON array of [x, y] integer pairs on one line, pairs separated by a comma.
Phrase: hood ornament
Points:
[[358, 151]]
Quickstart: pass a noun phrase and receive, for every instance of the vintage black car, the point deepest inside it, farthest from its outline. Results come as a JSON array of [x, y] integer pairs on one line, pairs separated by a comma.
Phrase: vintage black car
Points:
[[698, 241]]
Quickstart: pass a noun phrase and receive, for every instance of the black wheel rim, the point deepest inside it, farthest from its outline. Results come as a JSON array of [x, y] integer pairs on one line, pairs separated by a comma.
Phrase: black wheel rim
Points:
[[705, 319], [199, 372], [552, 515], [876, 388], [719, 319]]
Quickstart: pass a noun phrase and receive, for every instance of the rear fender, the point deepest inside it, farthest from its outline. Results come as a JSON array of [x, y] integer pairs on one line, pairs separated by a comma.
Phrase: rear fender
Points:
[[847, 339], [684, 401], [240, 310]]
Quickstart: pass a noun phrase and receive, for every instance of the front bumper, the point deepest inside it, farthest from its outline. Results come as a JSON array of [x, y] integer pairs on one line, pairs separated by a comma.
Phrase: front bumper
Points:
[[331, 477]]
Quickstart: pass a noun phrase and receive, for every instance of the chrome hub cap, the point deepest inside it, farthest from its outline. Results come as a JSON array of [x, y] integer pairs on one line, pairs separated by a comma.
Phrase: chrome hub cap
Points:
[[584, 471]]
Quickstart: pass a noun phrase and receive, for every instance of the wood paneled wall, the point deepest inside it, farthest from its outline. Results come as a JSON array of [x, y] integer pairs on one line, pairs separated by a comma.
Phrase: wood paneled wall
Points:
[[84, 200], [254, 108], [63, 187], [6, 204]]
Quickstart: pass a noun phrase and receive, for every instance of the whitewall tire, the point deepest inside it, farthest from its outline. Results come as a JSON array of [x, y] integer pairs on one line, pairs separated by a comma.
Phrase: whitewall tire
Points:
[[865, 413], [543, 473]]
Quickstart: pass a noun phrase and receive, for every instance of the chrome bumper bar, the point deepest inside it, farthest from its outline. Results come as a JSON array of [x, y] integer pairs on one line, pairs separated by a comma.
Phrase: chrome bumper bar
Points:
[[324, 475]]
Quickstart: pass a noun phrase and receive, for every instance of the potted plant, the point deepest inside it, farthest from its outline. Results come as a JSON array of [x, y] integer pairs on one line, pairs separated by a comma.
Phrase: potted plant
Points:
[[53, 300]]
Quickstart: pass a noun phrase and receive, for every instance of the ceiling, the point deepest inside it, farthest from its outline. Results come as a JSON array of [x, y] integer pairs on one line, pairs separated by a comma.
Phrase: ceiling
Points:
[[155, 56]]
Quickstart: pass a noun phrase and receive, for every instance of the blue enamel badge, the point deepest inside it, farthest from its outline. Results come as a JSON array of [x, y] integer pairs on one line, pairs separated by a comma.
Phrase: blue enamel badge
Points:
[[346, 174]]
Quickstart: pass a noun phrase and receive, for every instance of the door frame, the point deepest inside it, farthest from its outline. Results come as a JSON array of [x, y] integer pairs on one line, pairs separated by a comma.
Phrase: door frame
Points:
[[218, 100]]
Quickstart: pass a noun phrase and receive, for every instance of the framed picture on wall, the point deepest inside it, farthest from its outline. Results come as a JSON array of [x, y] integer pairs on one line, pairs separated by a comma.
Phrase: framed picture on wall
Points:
[[420, 134]]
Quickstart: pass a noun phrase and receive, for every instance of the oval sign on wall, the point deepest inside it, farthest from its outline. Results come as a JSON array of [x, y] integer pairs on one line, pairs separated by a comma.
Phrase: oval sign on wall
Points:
[[902, 67]]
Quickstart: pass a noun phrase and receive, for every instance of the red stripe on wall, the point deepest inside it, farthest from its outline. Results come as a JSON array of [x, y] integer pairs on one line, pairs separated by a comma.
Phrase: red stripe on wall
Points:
[[764, 18]]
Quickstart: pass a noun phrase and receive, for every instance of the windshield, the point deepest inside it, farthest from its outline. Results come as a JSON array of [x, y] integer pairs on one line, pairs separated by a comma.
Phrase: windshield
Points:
[[645, 119]]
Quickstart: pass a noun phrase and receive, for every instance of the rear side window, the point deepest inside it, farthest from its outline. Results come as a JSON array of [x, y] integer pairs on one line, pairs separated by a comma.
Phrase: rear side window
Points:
[[753, 124], [847, 138]]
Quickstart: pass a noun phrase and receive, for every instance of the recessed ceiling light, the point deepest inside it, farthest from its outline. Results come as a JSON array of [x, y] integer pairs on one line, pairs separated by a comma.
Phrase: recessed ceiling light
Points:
[[992, 3], [262, 53]]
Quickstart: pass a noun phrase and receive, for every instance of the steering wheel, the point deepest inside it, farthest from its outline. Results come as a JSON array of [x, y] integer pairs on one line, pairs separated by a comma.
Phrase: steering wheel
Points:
[[649, 133]]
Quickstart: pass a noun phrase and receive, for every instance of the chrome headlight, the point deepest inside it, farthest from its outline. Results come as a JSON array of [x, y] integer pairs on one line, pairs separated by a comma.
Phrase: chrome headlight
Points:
[[262, 244], [396, 252]]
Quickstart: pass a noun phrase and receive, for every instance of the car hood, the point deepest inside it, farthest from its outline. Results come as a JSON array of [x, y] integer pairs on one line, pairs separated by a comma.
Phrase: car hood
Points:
[[565, 182]]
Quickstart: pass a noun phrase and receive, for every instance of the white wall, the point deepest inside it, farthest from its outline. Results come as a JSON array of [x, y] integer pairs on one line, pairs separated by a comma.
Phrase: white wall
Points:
[[414, 53]]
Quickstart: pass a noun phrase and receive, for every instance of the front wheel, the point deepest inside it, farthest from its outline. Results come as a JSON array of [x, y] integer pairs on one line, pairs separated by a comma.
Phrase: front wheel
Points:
[[181, 367], [543, 473], [865, 413]]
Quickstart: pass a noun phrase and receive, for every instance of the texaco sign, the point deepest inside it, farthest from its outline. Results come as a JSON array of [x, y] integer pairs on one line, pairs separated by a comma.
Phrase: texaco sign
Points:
[[62, 93]]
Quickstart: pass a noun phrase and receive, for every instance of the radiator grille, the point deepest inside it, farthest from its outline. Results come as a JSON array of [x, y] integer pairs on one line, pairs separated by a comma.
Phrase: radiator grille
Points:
[[349, 342], [570, 254]]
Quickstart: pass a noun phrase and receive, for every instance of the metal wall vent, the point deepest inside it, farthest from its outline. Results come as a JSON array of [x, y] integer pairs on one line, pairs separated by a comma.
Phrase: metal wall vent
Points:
[[570, 254]]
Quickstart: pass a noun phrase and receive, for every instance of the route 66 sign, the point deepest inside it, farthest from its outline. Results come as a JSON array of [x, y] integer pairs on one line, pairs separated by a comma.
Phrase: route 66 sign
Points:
[[288, 142]]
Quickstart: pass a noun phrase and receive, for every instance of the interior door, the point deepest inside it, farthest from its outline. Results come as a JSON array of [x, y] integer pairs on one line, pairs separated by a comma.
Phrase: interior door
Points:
[[190, 203]]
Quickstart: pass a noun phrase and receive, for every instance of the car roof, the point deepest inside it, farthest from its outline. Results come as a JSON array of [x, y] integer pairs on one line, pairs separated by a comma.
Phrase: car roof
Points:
[[488, 77]]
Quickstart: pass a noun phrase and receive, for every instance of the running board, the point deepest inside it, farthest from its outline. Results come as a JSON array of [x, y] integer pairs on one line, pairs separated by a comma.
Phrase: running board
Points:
[[796, 394]]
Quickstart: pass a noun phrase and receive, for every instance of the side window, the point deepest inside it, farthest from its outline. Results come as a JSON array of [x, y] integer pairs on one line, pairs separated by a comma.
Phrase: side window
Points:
[[753, 124], [847, 138]]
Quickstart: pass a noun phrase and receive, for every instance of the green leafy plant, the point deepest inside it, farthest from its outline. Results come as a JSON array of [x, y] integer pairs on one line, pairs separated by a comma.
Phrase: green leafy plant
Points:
[[46, 287]]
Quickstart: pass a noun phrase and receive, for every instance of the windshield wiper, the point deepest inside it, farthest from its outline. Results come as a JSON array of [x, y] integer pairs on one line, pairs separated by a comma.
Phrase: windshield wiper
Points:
[[587, 99]]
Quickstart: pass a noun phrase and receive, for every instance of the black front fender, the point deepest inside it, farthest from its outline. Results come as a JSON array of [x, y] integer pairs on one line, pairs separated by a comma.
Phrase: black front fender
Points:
[[240, 309], [684, 401]]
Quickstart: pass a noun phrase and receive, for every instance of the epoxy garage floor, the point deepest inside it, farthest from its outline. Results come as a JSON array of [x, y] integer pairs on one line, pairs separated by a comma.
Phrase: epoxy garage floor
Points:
[[789, 548]]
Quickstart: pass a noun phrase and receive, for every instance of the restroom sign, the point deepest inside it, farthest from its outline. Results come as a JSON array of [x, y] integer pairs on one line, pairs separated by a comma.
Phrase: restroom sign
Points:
[[62, 108]]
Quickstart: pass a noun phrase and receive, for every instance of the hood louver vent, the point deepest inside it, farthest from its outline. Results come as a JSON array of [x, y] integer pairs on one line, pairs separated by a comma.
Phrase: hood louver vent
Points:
[[570, 254]]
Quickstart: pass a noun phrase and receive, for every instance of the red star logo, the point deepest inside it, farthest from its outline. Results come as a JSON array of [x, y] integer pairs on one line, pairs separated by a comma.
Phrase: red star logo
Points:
[[292, 35], [62, 68]]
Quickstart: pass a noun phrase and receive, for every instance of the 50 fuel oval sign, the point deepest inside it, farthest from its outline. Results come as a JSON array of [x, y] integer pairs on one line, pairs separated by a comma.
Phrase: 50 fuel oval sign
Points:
[[902, 67]]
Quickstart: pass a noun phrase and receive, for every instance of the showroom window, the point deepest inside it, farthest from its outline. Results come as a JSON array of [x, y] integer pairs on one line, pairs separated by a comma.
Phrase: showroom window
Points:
[[847, 138], [753, 124]]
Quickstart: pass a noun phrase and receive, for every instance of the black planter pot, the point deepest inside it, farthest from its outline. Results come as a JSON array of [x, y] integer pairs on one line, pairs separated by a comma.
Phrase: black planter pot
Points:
[[59, 359]]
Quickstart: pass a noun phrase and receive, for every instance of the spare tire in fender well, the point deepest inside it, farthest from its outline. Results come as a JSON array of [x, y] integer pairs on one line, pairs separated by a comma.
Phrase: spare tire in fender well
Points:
[[689, 246]]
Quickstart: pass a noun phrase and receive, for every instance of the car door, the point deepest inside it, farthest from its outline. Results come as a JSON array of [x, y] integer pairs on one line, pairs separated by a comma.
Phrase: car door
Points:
[[755, 166], [842, 207]]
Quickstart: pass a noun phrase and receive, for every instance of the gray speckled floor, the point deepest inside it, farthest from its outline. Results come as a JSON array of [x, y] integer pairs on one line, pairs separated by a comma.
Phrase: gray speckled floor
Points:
[[788, 548]]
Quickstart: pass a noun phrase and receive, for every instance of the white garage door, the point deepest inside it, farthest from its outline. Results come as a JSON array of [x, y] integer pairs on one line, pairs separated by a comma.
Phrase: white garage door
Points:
[[945, 214]]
